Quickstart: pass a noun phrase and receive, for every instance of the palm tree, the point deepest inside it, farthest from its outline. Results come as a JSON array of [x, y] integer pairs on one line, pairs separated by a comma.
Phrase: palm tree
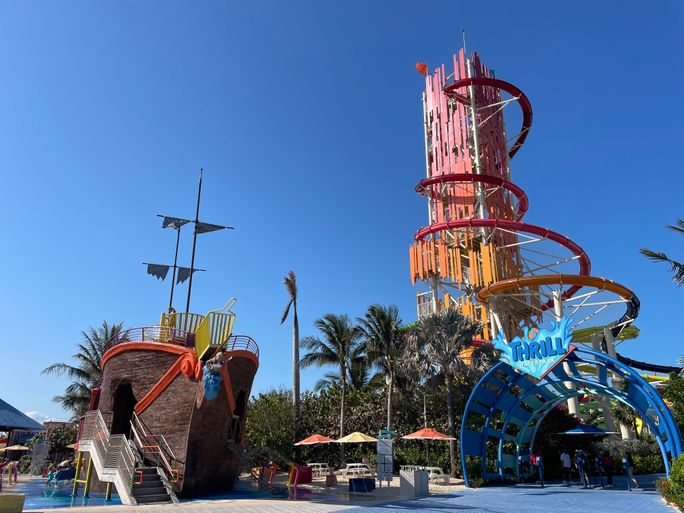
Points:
[[384, 344], [440, 340], [339, 345], [676, 268], [86, 372], [291, 287], [359, 375]]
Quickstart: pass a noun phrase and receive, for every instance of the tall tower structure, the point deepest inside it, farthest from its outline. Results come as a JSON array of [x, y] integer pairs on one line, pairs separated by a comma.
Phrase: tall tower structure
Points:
[[475, 237], [476, 254], [467, 186]]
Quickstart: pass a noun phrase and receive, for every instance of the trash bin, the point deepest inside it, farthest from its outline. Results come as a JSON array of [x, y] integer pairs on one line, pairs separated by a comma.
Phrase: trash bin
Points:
[[12, 502], [413, 483]]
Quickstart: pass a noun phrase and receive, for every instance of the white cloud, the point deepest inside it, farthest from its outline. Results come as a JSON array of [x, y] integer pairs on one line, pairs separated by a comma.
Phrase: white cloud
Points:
[[38, 416]]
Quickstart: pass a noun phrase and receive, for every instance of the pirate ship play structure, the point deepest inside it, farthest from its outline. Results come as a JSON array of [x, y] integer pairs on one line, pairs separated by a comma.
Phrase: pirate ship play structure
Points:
[[168, 416]]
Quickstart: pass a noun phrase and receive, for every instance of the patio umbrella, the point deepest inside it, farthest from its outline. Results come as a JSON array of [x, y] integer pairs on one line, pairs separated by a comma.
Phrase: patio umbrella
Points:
[[355, 437], [428, 434], [588, 430], [315, 439], [17, 448]]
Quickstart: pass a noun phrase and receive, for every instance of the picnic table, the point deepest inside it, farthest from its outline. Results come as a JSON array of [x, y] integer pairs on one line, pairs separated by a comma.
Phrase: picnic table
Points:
[[435, 474], [319, 469], [357, 469]]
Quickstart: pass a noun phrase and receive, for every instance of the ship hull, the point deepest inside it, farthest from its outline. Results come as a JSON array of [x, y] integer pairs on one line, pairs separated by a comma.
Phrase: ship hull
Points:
[[163, 384]]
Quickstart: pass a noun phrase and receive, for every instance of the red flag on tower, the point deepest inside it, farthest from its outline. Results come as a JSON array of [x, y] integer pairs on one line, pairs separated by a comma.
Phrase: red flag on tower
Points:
[[421, 68]]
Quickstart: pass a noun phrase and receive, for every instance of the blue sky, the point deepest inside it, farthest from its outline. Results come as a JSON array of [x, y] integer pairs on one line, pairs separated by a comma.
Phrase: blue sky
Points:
[[306, 118]]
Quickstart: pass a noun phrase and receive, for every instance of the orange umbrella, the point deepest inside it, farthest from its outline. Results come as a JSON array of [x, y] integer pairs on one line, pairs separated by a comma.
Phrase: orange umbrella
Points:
[[315, 439], [428, 434]]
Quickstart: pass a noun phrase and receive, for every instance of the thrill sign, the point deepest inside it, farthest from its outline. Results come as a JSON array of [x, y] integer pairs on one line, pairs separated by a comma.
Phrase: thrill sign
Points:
[[538, 351]]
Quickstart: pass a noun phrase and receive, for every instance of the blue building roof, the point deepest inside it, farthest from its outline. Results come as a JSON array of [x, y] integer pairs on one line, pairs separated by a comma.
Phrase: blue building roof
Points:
[[11, 418]]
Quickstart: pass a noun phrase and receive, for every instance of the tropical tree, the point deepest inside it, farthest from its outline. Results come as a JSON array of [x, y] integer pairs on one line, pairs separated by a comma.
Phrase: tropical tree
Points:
[[441, 343], [676, 268], [384, 344], [86, 371], [338, 346], [291, 287], [360, 375]]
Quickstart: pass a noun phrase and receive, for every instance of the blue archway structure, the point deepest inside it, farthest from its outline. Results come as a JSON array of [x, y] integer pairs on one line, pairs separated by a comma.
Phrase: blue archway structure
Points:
[[506, 408]]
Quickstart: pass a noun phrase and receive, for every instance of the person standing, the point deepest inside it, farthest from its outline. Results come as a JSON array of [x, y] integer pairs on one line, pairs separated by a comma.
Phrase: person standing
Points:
[[630, 470], [608, 467], [536, 461], [566, 465], [581, 463]]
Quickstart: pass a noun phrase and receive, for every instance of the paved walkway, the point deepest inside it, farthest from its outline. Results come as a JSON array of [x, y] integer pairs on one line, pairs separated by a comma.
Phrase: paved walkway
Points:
[[551, 499], [513, 499]]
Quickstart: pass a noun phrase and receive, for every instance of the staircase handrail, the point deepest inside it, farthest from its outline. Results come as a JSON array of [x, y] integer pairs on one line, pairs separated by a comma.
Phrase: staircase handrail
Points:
[[165, 455], [146, 433], [112, 452]]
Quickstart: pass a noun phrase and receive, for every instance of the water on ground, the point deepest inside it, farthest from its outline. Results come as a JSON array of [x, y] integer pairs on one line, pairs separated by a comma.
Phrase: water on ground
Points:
[[42, 496]]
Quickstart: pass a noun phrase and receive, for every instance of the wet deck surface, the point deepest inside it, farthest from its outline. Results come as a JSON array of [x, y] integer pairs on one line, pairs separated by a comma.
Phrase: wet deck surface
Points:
[[556, 498]]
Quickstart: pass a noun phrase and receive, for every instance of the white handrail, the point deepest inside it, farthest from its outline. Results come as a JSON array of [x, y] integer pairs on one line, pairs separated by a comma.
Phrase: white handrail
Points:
[[111, 455]]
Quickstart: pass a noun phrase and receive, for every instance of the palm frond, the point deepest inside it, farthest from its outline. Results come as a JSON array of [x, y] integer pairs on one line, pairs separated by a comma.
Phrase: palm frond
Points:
[[291, 284], [327, 381], [286, 312], [679, 227], [87, 369], [676, 268], [339, 342]]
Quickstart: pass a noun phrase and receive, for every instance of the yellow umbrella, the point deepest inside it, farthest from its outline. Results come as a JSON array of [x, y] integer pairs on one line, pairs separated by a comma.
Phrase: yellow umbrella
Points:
[[355, 437]]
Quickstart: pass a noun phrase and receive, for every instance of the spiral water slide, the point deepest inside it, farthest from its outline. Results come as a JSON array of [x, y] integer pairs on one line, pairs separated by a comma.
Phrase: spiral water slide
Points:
[[476, 254]]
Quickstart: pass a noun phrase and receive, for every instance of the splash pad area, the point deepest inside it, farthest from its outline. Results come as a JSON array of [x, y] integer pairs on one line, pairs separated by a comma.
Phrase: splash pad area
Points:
[[40, 496]]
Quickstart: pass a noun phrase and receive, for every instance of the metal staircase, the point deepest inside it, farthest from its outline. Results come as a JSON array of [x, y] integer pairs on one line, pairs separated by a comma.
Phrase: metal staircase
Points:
[[125, 463], [150, 487], [111, 456]]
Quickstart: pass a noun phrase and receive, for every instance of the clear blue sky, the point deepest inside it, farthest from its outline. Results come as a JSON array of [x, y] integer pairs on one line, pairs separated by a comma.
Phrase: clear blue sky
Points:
[[306, 118]]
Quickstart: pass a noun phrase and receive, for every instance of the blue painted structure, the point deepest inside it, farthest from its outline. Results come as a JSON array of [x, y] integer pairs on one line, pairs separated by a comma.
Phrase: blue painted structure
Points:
[[506, 409]]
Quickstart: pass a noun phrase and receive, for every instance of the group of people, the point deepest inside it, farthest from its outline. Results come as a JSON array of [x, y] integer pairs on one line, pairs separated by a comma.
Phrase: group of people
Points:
[[602, 466]]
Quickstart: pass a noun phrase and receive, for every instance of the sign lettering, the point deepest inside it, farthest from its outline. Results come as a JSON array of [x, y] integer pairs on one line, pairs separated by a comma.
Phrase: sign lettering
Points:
[[539, 350]]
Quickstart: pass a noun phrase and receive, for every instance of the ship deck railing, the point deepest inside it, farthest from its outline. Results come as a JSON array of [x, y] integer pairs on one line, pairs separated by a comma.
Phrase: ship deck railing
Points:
[[242, 343], [160, 334]]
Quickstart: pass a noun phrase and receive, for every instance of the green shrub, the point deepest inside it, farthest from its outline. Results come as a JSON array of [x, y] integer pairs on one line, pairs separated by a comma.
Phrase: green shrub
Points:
[[474, 466], [477, 482], [677, 474], [24, 463], [650, 464], [672, 489], [670, 494]]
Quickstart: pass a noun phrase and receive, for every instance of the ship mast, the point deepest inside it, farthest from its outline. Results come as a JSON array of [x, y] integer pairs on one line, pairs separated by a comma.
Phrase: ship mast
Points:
[[161, 270]]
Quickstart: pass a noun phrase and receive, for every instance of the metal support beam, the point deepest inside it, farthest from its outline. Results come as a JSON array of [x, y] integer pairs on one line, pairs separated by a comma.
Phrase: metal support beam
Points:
[[608, 418], [573, 402]]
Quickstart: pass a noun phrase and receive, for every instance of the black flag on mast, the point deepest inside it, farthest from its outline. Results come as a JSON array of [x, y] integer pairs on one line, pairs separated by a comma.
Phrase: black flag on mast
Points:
[[184, 274], [160, 271], [201, 227], [173, 222]]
